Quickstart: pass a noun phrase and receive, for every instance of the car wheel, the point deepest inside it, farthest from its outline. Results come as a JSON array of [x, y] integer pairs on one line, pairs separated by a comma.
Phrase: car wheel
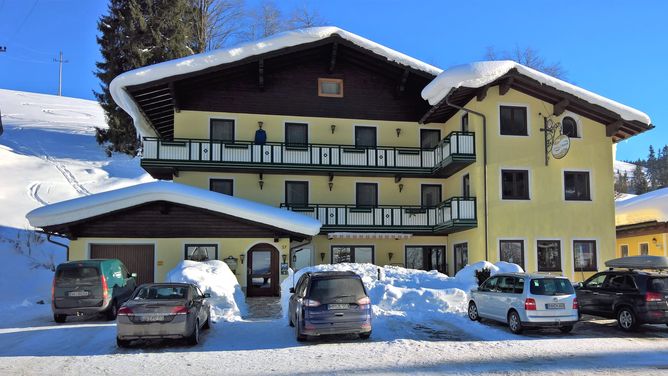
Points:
[[514, 322], [566, 329], [473, 312], [193, 339], [627, 319], [110, 314], [122, 343], [207, 323], [59, 318], [365, 335], [298, 333]]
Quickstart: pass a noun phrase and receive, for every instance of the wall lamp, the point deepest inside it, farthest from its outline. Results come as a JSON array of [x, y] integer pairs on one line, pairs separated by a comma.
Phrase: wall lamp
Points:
[[331, 185], [285, 258], [390, 255], [398, 131], [322, 256], [333, 127], [331, 181], [242, 257], [656, 243], [261, 182], [401, 187]]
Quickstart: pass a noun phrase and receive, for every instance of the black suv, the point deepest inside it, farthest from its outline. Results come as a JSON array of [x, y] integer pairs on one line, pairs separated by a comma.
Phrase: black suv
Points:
[[632, 297]]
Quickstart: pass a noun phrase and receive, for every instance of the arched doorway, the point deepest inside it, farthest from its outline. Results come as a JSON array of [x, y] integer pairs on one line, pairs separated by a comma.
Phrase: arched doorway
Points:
[[262, 271]]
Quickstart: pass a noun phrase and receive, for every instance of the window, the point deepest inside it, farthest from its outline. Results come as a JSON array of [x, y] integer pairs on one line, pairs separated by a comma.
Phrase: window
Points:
[[201, 252], [357, 254], [296, 193], [549, 255], [576, 186], [429, 138], [465, 122], [624, 250], [224, 186], [519, 286], [512, 251], [366, 195], [569, 127], [621, 282], [596, 281], [551, 286], [507, 285], [513, 121], [515, 184], [330, 87], [426, 258], [644, 249], [431, 195], [365, 137], [222, 130], [489, 284], [584, 256], [466, 186], [296, 134], [461, 256]]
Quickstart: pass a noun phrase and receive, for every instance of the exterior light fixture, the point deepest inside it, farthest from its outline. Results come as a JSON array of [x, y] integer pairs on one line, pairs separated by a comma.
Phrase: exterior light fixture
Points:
[[260, 124], [284, 257], [390, 255], [242, 257], [331, 185], [261, 182], [398, 131], [401, 187], [333, 126], [322, 256]]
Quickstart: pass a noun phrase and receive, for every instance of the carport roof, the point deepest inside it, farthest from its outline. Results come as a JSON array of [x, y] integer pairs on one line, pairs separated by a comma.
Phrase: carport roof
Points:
[[95, 205]]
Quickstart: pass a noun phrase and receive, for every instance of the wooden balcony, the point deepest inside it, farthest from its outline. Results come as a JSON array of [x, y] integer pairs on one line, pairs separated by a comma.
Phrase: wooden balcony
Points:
[[452, 215], [162, 158]]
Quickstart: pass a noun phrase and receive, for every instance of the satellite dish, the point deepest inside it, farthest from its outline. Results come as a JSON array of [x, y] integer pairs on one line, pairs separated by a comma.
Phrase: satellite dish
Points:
[[560, 146]]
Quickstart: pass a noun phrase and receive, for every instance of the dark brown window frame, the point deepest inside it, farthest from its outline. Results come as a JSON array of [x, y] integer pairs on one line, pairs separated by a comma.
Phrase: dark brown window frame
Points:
[[440, 192], [515, 196], [301, 182], [185, 249], [526, 120], [352, 252], [588, 186], [375, 130], [466, 186], [357, 184], [338, 81], [454, 255], [234, 129], [212, 180], [559, 269], [426, 130], [595, 267], [285, 135], [424, 251], [523, 249]]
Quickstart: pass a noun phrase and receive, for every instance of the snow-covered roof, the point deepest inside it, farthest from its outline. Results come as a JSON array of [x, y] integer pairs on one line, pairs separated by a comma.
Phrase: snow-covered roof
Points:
[[205, 60], [479, 74], [105, 202], [651, 206]]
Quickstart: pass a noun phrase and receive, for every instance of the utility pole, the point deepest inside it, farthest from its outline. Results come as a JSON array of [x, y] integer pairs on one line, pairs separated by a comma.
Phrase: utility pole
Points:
[[60, 62]]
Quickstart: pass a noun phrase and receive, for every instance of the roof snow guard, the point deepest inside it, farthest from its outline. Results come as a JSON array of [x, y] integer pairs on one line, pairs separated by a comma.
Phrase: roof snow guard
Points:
[[469, 80], [648, 207], [102, 203], [200, 62]]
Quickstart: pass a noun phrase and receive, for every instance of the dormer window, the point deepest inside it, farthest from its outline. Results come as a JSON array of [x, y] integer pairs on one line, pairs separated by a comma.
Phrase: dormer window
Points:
[[569, 127], [330, 87]]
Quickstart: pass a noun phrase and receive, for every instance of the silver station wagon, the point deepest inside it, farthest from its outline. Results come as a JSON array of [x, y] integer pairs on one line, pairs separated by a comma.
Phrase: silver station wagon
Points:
[[526, 300], [163, 310]]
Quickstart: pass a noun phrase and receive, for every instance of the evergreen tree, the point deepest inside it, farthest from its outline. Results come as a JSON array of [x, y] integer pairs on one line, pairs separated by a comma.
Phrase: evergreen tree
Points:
[[639, 182], [652, 169], [622, 182], [136, 33]]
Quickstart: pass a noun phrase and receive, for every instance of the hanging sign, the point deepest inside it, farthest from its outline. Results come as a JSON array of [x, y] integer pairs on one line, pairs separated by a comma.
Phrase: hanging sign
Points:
[[560, 146]]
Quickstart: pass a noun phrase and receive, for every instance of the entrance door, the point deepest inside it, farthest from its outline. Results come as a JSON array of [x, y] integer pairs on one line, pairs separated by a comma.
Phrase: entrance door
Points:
[[262, 272]]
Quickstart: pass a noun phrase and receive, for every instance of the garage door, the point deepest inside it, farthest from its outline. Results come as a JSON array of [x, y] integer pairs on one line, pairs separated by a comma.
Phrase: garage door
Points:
[[138, 258]]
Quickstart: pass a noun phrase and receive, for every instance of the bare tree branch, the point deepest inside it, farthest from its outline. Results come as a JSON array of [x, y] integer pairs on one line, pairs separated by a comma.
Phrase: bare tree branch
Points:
[[527, 56], [303, 17], [217, 23]]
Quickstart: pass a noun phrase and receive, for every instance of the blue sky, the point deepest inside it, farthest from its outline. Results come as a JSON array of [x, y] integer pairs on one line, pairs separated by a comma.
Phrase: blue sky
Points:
[[618, 49]]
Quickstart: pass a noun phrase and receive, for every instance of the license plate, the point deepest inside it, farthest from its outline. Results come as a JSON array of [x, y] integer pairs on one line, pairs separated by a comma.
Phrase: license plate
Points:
[[78, 293], [151, 318], [338, 306], [555, 306]]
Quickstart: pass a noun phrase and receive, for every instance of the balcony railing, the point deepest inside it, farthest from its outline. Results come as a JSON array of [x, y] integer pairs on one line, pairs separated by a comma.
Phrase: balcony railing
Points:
[[457, 146], [454, 214]]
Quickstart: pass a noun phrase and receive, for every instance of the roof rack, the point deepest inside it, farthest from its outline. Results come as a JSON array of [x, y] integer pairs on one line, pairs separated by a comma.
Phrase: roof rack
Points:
[[659, 263]]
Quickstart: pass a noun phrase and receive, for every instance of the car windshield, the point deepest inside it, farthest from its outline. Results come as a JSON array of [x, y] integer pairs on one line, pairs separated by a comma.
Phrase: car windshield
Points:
[[77, 274], [323, 290], [161, 293], [551, 286], [658, 284]]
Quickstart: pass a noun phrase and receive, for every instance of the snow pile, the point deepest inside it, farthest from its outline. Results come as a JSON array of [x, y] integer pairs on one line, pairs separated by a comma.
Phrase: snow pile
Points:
[[479, 74], [651, 206], [215, 277], [417, 295]]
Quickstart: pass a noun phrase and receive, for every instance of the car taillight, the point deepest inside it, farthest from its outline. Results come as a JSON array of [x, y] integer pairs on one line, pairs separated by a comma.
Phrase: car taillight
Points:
[[53, 290], [365, 301], [575, 304], [124, 311], [653, 297], [530, 304], [311, 303], [180, 310], [105, 288]]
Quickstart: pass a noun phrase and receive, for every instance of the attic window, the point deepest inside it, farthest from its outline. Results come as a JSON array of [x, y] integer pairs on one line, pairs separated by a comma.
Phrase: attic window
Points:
[[330, 87]]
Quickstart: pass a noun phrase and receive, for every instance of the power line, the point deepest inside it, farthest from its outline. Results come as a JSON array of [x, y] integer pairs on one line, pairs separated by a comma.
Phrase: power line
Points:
[[34, 5], [60, 62]]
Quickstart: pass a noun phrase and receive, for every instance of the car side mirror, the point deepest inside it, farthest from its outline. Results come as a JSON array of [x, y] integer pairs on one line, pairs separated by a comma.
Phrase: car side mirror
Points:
[[579, 285], [206, 295], [292, 290], [133, 275]]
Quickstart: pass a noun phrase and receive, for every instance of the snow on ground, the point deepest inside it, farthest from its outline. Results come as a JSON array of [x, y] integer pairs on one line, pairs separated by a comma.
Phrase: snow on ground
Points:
[[621, 167], [215, 277]]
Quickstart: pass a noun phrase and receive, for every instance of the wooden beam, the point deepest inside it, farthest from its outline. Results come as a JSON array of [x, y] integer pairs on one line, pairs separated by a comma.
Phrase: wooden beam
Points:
[[612, 128], [260, 74], [560, 107], [402, 83], [175, 99], [482, 93], [505, 85], [332, 59]]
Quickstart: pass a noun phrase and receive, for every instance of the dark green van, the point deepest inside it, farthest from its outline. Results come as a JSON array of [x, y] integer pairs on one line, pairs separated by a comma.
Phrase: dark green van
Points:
[[90, 286]]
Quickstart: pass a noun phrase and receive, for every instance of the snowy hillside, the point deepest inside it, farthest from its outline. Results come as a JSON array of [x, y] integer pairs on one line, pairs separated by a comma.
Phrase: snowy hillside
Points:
[[622, 167]]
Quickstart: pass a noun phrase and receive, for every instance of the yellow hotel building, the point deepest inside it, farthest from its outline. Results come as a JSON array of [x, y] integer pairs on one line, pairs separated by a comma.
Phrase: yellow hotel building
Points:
[[399, 162]]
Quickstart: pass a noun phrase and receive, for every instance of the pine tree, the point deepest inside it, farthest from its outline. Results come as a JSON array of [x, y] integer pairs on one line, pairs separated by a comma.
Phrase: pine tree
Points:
[[652, 169], [622, 182], [639, 182], [136, 33]]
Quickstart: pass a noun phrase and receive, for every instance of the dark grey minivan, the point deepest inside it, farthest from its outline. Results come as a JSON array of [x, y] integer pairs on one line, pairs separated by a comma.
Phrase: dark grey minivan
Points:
[[90, 286], [330, 303]]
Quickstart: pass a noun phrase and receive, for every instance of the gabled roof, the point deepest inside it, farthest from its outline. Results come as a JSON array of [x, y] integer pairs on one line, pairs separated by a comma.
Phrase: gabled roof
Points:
[[463, 81], [201, 62], [102, 203], [650, 207]]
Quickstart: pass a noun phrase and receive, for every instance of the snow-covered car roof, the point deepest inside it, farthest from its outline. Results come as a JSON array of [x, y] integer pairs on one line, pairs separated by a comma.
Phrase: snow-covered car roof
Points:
[[101, 203], [648, 207], [209, 59], [479, 74]]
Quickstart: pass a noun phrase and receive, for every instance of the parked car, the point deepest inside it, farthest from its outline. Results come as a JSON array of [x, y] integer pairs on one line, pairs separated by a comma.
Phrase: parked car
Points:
[[329, 303], [163, 310], [631, 296], [90, 286], [526, 300]]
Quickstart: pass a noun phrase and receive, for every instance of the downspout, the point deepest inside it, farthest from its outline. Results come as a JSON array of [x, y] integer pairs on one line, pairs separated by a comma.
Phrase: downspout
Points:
[[48, 238], [484, 161]]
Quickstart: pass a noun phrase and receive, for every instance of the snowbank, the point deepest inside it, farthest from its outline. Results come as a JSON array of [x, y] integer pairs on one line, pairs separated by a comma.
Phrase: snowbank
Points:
[[417, 295], [215, 277]]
